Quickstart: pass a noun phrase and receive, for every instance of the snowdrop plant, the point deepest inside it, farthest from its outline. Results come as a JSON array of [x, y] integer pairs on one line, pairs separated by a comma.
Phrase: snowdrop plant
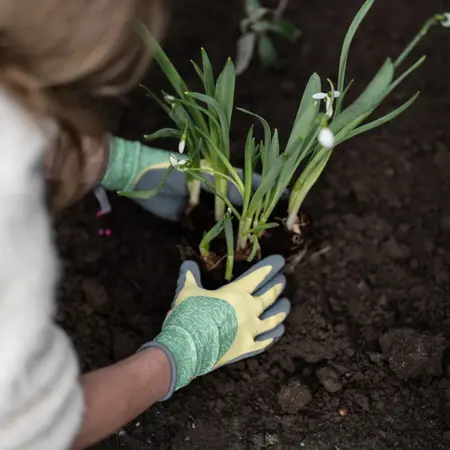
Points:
[[345, 122], [323, 121], [255, 33]]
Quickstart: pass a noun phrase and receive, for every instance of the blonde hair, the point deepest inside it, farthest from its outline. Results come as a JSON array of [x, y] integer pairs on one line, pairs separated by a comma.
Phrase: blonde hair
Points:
[[54, 54]]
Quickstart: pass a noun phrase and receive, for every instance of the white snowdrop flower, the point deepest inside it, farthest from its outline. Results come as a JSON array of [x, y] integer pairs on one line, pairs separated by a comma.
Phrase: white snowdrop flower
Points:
[[328, 100], [320, 96], [182, 145], [446, 21], [178, 164], [326, 138]]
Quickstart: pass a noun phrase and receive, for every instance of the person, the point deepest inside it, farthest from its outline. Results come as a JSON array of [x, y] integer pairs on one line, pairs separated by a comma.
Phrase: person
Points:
[[54, 55]]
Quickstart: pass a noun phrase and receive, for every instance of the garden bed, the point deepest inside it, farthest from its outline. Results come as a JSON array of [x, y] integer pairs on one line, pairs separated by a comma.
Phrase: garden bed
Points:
[[364, 364]]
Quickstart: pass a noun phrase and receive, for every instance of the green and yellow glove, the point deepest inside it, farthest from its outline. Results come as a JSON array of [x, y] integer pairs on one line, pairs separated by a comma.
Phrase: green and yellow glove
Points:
[[133, 166], [206, 329]]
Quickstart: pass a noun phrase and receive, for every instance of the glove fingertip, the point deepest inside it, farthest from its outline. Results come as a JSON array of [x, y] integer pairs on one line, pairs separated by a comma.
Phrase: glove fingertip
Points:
[[187, 267], [279, 279], [273, 335], [283, 305]]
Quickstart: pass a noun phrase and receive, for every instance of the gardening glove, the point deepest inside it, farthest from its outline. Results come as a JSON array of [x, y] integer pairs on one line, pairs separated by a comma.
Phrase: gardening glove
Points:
[[135, 167], [207, 329]]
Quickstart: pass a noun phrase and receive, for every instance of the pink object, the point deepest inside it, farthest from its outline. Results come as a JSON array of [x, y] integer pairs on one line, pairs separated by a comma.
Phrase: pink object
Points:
[[108, 232], [99, 213]]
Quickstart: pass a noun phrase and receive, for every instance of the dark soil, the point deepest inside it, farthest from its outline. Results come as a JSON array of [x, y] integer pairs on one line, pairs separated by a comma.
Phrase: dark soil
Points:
[[365, 363]]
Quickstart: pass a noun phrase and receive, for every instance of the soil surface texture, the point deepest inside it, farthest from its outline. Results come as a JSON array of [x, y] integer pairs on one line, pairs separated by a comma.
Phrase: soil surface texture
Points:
[[365, 362]]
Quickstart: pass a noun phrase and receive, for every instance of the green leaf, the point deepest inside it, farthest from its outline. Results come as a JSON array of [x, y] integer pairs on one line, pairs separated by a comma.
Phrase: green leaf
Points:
[[212, 234], [208, 74], [157, 100], [162, 134], [340, 100], [147, 194], [169, 69], [371, 96], [260, 228], [385, 119], [199, 72], [435, 20], [212, 188], [179, 115], [307, 103], [255, 248], [223, 159], [229, 239], [348, 40], [206, 112], [220, 175], [267, 184], [308, 178], [225, 88], [248, 170], [251, 6], [261, 27], [245, 49], [285, 29], [265, 148], [266, 50], [218, 108], [406, 73], [274, 148]]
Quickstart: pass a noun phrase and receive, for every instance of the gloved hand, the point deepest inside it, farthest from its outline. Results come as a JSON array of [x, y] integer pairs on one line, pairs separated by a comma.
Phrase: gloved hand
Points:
[[133, 166], [205, 329]]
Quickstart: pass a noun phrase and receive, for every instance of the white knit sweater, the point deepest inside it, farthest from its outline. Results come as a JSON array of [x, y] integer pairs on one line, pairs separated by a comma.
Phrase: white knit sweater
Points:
[[41, 402]]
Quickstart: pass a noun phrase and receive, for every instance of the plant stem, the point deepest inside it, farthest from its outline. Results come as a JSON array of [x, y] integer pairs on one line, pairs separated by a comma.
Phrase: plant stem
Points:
[[194, 188], [243, 236], [281, 9], [422, 33], [292, 219], [229, 238], [219, 204]]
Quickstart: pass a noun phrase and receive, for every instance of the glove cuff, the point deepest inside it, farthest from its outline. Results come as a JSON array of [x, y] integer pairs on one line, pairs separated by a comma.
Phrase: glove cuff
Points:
[[123, 165], [129, 161], [180, 347]]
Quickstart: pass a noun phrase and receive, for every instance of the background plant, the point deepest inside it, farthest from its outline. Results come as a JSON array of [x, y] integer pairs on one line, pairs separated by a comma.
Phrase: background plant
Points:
[[256, 29], [203, 122]]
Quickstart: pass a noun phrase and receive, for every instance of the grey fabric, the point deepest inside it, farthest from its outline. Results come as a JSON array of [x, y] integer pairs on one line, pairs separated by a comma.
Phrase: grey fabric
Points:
[[170, 202], [187, 266], [276, 261], [278, 279], [282, 305]]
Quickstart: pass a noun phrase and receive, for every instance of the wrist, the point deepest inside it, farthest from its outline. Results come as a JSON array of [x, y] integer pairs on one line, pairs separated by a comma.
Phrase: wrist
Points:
[[157, 363], [181, 356]]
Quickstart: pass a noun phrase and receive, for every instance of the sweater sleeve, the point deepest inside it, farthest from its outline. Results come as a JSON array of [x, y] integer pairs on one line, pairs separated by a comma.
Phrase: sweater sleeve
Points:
[[41, 402]]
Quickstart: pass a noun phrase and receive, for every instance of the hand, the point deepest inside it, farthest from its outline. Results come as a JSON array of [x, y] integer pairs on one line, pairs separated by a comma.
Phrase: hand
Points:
[[205, 329], [136, 167]]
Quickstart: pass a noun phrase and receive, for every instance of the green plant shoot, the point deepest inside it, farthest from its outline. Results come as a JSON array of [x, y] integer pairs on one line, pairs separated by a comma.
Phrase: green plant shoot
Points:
[[256, 28], [203, 124]]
